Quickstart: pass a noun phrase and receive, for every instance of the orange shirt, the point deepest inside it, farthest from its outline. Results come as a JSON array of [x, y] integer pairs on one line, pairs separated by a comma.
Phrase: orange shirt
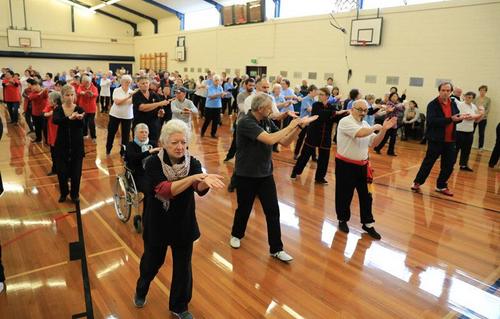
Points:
[[39, 101]]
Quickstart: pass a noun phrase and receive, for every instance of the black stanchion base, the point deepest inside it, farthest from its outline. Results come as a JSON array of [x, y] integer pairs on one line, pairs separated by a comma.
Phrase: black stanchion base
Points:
[[75, 251]]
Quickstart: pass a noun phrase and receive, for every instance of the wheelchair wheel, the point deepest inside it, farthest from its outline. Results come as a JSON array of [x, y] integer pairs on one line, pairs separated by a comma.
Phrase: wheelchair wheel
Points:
[[122, 199]]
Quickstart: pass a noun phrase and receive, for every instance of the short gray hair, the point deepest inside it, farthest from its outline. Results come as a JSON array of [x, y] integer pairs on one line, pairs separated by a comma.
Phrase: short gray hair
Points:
[[86, 78], [360, 101], [260, 100], [126, 77], [140, 126], [55, 98], [174, 126]]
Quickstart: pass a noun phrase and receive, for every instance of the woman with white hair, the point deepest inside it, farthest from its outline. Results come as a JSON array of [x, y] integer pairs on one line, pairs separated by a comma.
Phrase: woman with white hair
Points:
[[172, 177], [213, 106], [121, 113], [138, 151]]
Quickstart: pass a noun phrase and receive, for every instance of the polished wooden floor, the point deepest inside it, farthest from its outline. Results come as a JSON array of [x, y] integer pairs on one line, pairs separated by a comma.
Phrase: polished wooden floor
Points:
[[439, 257]]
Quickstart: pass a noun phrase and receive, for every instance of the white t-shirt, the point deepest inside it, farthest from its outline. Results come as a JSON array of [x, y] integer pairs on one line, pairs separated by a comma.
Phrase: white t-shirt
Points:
[[177, 108], [105, 87], [466, 125], [349, 146], [248, 105], [124, 111]]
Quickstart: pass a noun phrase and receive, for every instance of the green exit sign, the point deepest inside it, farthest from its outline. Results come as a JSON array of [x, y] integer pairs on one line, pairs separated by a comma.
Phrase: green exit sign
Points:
[[254, 61]]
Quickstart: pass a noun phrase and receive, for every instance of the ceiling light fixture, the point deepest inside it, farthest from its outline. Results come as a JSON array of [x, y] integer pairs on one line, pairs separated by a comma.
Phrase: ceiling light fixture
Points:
[[77, 5], [101, 5]]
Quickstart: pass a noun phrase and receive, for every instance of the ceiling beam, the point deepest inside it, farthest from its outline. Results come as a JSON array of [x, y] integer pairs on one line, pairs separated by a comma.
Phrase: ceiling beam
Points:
[[132, 24], [178, 14], [142, 15], [219, 8]]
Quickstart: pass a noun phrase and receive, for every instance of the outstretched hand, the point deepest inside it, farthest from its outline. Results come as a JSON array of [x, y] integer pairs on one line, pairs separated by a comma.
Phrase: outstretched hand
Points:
[[292, 114], [389, 122], [214, 181], [308, 119]]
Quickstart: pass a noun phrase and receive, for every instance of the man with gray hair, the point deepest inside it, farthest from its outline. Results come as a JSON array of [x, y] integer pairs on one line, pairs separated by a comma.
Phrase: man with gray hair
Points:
[[255, 137], [352, 168]]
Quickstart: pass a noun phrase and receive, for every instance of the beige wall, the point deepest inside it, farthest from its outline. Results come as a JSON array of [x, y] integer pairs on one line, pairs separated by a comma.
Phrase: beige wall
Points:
[[93, 34], [451, 40]]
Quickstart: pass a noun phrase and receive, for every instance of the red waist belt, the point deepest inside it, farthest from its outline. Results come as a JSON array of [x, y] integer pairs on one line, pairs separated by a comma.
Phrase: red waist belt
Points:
[[369, 169]]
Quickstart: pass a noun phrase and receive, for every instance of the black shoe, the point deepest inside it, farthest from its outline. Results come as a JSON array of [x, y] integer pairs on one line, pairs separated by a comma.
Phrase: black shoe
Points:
[[377, 151], [343, 227], [62, 198], [391, 154], [466, 168], [230, 188], [227, 159], [423, 142], [372, 232], [213, 136], [139, 302], [321, 181], [293, 175]]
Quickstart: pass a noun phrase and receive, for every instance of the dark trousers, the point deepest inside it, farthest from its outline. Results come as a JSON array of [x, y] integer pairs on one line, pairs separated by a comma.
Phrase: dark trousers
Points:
[[300, 142], [105, 101], [246, 191], [28, 118], [113, 124], [232, 149], [447, 151], [495, 155], [305, 155], [199, 102], [464, 145], [69, 168], [38, 122], [390, 135], [226, 104], [54, 158], [2, 274], [211, 115], [182, 279], [13, 109], [482, 128], [349, 177], [89, 124]]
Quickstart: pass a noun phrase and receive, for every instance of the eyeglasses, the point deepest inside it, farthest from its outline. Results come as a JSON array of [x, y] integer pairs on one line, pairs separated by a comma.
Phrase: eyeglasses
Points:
[[360, 110]]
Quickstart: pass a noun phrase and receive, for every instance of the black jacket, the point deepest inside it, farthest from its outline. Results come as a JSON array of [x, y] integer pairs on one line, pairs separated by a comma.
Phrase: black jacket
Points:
[[178, 225], [436, 122], [319, 132], [69, 140], [135, 156]]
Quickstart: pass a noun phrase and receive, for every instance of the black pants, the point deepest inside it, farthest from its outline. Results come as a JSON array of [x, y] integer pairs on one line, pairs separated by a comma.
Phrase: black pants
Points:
[[105, 101], [349, 177], [300, 142], [305, 155], [246, 191], [447, 151], [69, 168], [211, 115], [38, 122], [13, 109], [2, 274], [390, 135], [182, 279], [226, 104], [232, 149], [89, 124], [113, 124], [464, 145], [28, 118], [482, 128], [199, 102], [495, 155], [54, 158]]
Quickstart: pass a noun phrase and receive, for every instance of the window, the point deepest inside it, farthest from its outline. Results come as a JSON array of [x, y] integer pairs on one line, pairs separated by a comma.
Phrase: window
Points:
[[207, 18], [373, 4]]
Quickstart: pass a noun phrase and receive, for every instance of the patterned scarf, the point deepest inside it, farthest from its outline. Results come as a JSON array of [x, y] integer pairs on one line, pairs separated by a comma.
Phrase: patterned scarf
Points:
[[173, 173]]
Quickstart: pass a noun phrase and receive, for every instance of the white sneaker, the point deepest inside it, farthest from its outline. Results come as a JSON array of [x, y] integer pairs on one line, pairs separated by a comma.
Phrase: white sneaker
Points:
[[235, 242], [2, 286], [283, 256]]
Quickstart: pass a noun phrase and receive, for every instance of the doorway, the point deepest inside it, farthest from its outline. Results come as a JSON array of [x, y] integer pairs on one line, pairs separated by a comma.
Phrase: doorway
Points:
[[254, 71]]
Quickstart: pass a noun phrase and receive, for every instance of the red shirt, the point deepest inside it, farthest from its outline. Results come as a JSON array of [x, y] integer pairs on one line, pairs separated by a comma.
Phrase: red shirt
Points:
[[448, 131], [39, 100], [87, 101], [11, 90], [51, 127], [26, 95]]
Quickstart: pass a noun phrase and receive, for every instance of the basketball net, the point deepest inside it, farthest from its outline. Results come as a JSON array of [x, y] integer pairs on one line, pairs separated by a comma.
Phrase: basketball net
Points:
[[344, 5], [26, 49]]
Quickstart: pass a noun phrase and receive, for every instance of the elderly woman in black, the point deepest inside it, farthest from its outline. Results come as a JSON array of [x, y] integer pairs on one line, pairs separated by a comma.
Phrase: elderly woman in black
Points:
[[319, 135], [137, 152], [172, 177], [69, 149]]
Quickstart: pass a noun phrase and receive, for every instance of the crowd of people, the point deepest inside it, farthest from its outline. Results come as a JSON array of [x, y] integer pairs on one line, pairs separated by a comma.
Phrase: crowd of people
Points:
[[157, 110]]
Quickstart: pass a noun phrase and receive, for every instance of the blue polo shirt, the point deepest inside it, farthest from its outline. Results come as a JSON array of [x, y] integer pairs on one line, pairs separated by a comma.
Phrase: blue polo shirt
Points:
[[228, 87], [306, 102], [217, 102], [280, 99]]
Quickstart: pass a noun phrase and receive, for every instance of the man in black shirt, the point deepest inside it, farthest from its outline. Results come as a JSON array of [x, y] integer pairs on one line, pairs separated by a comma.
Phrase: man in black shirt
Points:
[[147, 109], [255, 136]]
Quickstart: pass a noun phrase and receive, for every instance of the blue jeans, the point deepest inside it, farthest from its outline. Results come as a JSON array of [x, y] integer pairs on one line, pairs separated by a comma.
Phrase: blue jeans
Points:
[[13, 108]]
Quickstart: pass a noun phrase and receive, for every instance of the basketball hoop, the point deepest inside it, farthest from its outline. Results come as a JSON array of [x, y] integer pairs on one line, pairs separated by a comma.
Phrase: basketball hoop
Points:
[[26, 49], [362, 43]]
